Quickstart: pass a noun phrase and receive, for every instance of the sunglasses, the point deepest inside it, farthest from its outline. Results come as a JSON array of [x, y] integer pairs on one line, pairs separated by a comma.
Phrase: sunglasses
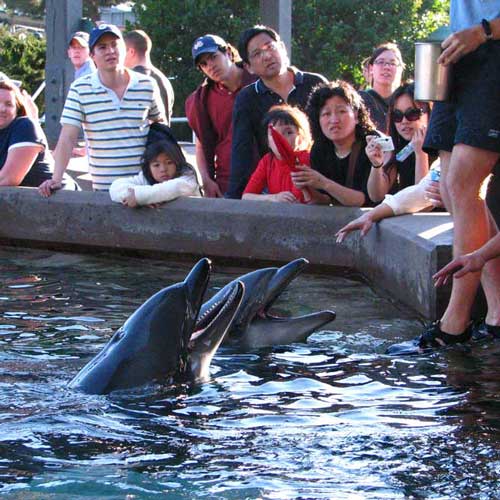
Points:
[[412, 115]]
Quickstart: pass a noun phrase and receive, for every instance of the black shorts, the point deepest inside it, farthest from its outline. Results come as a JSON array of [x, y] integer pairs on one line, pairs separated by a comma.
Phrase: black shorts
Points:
[[472, 114]]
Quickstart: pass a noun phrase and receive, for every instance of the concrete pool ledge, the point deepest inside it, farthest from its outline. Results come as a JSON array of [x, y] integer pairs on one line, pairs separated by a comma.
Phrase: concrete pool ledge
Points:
[[399, 255]]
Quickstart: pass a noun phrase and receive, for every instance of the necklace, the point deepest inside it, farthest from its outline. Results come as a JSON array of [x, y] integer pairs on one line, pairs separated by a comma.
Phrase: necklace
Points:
[[342, 156]]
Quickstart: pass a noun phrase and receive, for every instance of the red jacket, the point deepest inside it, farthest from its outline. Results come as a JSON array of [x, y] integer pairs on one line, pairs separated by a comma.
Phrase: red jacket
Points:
[[274, 175]]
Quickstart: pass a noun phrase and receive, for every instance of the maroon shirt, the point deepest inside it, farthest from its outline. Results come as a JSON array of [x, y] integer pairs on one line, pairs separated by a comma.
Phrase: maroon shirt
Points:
[[207, 121], [220, 102]]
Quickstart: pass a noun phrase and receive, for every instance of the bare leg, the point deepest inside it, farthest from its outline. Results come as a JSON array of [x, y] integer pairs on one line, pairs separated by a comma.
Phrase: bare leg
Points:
[[444, 160], [467, 169], [490, 279]]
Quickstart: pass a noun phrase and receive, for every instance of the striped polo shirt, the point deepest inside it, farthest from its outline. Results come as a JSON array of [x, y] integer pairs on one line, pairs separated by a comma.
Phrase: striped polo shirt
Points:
[[115, 130]]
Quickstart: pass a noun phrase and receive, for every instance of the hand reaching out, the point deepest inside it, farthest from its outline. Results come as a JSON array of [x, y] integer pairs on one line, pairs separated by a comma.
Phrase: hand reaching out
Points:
[[363, 224], [468, 263]]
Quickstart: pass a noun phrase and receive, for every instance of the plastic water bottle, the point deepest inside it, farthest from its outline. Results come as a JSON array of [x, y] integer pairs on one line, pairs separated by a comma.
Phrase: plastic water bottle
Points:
[[405, 152], [435, 175]]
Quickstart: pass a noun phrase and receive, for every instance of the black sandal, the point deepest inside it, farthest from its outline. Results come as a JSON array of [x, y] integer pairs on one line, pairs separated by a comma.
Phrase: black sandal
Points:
[[483, 331], [432, 338]]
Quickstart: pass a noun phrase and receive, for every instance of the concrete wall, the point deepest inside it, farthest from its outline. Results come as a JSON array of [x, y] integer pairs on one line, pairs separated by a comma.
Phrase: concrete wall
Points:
[[399, 255]]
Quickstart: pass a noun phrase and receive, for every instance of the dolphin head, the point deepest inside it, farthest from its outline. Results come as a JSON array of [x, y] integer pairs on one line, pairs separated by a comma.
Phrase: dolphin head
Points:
[[153, 342], [254, 299]]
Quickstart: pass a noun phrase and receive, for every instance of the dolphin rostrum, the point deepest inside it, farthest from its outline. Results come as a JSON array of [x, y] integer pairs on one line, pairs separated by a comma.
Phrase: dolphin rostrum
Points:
[[162, 341], [253, 326]]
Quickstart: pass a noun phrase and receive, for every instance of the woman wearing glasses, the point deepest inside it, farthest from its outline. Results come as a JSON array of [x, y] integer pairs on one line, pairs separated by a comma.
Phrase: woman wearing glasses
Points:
[[384, 69], [408, 164]]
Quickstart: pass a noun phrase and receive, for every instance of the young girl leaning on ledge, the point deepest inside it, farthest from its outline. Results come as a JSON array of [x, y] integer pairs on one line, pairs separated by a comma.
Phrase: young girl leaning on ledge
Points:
[[165, 176]]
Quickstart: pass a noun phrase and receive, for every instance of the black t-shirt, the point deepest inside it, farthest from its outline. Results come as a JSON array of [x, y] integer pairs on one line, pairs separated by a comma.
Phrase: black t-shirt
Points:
[[378, 107], [23, 131], [325, 161]]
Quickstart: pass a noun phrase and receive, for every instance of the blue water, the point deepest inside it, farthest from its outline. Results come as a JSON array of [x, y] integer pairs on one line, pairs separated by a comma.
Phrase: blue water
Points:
[[333, 418]]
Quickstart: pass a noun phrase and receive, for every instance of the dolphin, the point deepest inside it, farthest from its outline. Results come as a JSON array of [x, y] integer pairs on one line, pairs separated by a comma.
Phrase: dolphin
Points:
[[254, 327], [161, 341]]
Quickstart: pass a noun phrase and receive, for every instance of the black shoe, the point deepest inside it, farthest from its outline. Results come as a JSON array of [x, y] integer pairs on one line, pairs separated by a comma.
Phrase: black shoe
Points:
[[483, 332], [432, 338]]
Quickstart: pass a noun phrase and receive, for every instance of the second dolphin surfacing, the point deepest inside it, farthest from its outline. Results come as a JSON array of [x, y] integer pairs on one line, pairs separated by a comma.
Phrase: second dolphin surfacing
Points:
[[253, 326]]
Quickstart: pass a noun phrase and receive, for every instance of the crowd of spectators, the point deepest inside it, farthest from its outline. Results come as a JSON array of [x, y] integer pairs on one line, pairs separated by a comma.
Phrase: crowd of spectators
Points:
[[268, 131]]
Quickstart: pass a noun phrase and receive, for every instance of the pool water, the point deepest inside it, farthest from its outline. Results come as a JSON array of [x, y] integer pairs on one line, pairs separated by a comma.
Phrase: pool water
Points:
[[333, 418]]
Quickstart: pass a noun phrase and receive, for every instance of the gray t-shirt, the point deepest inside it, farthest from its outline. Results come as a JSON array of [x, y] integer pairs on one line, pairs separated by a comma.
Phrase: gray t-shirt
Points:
[[467, 13]]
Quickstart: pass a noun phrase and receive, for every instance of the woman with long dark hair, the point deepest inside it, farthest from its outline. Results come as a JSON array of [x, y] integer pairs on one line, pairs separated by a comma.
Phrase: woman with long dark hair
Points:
[[409, 164]]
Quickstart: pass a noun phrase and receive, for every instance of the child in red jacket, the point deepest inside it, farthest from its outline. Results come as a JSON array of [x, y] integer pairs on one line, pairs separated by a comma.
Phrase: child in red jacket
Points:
[[289, 140]]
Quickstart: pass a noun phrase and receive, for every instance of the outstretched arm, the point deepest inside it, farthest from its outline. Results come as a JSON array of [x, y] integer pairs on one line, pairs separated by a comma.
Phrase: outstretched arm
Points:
[[365, 222], [67, 140], [469, 263]]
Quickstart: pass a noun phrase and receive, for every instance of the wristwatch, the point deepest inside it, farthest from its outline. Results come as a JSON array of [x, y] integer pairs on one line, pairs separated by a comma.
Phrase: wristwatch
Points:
[[487, 29]]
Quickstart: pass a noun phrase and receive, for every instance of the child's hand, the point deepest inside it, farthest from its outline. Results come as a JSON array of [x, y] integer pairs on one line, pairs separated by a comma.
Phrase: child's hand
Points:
[[285, 197], [130, 200]]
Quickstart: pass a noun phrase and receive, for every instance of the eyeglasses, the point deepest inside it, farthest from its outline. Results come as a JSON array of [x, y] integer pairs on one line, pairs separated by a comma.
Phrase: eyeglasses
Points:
[[259, 53], [411, 114], [383, 62]]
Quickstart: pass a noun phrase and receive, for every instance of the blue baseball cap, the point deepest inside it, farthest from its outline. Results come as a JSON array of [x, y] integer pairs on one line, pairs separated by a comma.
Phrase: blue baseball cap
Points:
[[207, 44], [101, 30]]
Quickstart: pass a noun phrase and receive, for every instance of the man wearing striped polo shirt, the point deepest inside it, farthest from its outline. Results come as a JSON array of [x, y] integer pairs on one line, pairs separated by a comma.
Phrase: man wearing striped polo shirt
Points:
[[115, 107]]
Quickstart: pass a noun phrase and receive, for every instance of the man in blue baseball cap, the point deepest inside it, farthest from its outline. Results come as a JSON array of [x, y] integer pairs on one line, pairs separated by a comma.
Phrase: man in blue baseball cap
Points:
[[115, 107], [209, 109], [99, 31]]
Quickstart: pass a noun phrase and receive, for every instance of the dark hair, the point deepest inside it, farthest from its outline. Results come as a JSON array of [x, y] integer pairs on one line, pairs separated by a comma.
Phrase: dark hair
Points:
[[234, 55], [382, 48], [232, 51], [407, 88], [325, 91], [252, 32], [7, 84], [289, 115], [139, 40], [173, 151]]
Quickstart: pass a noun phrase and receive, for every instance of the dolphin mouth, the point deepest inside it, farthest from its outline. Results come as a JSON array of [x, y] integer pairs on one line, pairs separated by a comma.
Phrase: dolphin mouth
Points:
[[211, 330], [196, 284], [226, 305]]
